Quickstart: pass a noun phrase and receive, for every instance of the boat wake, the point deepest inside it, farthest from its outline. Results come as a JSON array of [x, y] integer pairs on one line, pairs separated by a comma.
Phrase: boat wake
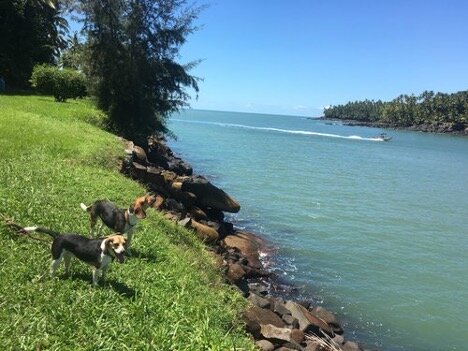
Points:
[[278, 130]]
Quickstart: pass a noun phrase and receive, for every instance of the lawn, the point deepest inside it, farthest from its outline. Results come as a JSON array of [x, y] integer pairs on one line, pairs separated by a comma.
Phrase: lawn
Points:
[[168, 296]]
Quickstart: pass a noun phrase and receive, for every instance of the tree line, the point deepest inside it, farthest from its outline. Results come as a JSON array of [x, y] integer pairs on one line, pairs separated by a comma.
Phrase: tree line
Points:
[[407, 110], [128, 50]]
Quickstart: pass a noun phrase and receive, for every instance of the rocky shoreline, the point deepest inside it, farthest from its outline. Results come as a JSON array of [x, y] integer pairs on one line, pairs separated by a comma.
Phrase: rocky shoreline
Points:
[[438, 127], [193, 202]]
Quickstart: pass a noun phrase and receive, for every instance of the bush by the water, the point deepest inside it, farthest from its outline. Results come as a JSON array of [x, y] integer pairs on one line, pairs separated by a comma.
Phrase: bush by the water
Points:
[[63, 84]]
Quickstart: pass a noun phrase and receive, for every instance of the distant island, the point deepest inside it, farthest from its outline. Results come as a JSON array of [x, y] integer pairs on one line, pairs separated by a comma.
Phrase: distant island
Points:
[[428, 112]]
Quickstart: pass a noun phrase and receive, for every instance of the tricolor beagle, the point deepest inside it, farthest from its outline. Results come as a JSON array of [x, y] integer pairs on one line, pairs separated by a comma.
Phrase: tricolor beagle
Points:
[[97, 252], [119, 220]]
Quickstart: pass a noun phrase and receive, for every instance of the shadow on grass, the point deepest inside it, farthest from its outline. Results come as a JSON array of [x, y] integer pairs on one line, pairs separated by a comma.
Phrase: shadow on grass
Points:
[[119, 287], [147, 256]]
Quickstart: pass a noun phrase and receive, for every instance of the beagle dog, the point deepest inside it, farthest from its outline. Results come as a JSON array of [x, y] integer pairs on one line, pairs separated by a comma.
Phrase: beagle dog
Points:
[[119, 220], [98, 253]]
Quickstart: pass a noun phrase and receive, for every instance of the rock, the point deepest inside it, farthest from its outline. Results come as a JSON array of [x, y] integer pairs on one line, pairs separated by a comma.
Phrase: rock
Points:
[[179, 166], [290, 320], [187, 198], [247, 244], [338, 339], [271, 332], [209, 195], [298, 336], [258, 301], [172, 216], [350, 346], [139, 155], [280, 309], [260, 316], [258, 288], [205, 233], [328, 317], [307, 322], [214, 214], [158, 203], [138, 171], [265, 345], [155, 179], [186, 222], [312, 346], [235, 272], [174, 205], [198, 214], [291, 345]]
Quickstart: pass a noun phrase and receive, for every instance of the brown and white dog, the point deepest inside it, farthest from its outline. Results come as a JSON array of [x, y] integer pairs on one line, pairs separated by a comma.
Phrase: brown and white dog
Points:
[[117, 219], [98, 253]]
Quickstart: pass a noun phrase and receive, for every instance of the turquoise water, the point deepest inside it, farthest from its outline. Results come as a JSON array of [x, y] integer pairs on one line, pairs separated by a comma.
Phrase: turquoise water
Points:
[[375, 231]]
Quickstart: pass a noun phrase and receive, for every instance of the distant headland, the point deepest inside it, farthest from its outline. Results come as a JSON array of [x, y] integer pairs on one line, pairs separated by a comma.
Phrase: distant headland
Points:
[[427, 112]]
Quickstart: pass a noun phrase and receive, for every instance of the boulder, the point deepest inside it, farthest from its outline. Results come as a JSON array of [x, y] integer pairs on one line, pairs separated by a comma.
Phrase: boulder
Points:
[[198, 214], [178, 166], [312, 346], [272, 332], [265, 345], [158, 203], [308, 323], [328, 318], [258, 301], [247, 244], [186, 222], [291, 346], [235, 272], [280, 309], [338, 339], [260, 316], [138, 171], [297, 336], [350, 346], [139, 155], [156, 180], [205, 232], [290, 320], [210, 196]]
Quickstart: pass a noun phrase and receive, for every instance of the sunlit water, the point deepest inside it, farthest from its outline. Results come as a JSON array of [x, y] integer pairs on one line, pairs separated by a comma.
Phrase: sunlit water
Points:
[[375, 231]]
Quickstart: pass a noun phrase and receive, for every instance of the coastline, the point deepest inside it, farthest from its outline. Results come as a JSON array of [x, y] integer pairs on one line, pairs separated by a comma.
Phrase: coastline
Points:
[[440, 128], [274, 319]]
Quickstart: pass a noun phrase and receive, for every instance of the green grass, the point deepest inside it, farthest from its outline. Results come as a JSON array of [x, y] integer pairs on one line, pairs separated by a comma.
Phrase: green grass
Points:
[[168, 296]]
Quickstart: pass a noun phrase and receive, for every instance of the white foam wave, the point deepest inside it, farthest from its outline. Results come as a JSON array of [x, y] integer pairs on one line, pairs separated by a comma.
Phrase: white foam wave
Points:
[[278, 130]]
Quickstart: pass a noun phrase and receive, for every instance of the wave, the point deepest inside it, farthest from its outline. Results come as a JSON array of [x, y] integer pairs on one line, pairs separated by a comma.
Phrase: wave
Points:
[[278, 130]]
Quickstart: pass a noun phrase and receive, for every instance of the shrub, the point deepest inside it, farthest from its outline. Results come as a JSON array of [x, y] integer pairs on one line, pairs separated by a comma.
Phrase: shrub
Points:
[[63, 84]]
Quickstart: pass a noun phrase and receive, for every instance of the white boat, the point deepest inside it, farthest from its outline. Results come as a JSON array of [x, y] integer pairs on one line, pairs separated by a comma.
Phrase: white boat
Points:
[[383, 137]]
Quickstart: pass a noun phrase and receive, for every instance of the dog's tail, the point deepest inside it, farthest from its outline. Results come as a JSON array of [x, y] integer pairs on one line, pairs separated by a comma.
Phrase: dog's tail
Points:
[[84, 207], [51, 232]]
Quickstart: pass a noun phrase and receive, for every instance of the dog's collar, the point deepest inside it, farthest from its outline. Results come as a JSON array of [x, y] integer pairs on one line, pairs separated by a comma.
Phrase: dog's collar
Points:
[[127, 218]]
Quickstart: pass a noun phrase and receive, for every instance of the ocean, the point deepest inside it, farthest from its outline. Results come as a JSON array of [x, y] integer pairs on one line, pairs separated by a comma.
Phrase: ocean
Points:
[[375, 231]]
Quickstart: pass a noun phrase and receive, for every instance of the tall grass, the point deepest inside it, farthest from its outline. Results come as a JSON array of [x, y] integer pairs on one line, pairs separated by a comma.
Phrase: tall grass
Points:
[[168, 296]]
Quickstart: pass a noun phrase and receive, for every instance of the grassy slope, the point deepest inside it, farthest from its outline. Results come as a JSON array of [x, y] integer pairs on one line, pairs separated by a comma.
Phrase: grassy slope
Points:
[[168, 297]]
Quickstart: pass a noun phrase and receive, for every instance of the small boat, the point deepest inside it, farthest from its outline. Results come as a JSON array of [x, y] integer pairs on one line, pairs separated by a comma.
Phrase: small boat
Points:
[[383, 137]]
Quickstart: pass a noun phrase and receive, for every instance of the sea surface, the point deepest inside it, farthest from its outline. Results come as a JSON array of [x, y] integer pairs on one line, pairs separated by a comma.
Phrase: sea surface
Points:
[[375, 231]]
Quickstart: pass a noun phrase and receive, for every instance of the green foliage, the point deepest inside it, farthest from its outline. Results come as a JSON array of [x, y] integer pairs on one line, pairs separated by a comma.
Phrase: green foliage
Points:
[[167, 297], [31, 32], [132, 48], [407, 110], [73, 56], [63, 84]]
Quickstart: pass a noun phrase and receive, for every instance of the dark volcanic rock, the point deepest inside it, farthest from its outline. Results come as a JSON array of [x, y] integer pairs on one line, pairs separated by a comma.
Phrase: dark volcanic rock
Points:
[[209, 195]]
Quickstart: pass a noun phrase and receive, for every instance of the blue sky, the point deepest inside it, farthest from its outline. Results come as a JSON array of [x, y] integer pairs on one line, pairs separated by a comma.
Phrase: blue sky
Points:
[[297, 56]]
